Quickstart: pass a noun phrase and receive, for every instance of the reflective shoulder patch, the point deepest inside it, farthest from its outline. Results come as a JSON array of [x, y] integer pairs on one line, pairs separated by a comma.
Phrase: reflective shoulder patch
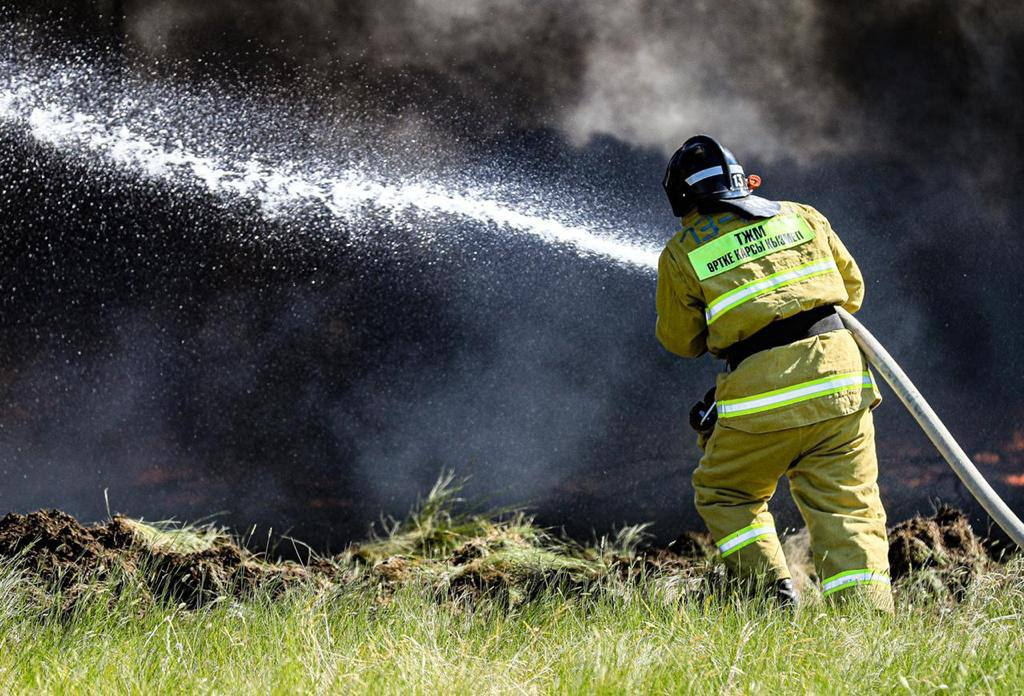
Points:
[[748, 243]]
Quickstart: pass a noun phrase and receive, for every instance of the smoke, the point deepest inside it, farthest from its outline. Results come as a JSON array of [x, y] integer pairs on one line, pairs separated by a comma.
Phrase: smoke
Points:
[[299, 383], [642, 72], [778, 79]]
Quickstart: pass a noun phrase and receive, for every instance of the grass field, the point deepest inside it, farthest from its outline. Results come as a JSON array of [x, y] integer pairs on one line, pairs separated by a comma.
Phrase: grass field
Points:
[[348, 640], [473, 605]]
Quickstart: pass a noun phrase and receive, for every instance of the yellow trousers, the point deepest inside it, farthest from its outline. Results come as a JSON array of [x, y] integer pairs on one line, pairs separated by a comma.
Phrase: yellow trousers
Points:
[[832, 471]]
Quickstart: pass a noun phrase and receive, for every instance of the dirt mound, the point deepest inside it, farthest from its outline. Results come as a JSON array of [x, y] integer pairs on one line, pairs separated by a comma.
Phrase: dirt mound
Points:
[[54, 546], [461, 558], [189, 566], [507, 565], [941, 551]]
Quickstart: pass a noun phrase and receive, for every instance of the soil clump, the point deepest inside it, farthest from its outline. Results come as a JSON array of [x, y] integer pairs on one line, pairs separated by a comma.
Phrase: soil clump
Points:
[[937, 552], [191, 566]]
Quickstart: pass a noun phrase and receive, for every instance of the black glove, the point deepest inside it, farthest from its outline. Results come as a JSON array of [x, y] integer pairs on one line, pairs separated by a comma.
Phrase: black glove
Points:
[[704, 415]]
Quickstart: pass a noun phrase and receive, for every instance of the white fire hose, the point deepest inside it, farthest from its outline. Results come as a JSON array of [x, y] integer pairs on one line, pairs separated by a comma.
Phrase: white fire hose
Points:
[[934, 429]]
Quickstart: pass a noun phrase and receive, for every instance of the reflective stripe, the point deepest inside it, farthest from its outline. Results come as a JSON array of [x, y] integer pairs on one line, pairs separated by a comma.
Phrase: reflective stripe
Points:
[[755, 288], [850, 578], [711, 171], [744, 537], [795, 394]]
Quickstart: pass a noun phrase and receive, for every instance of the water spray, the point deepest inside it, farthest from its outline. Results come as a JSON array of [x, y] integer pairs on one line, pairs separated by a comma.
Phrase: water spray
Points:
[[933, 427], [137, 130]]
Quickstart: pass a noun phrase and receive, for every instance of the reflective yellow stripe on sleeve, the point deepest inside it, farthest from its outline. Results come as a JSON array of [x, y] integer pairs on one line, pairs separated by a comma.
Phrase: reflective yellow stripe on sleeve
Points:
[[755, 288], [786, 396]]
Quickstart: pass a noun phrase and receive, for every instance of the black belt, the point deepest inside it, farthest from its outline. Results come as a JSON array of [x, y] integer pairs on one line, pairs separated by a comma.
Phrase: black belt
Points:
[[782, 332]]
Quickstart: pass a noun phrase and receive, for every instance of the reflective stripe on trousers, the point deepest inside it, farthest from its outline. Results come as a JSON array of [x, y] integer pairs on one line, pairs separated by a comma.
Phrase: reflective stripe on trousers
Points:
[[850, 578], [749, 291], [795, 394], [744, 537]]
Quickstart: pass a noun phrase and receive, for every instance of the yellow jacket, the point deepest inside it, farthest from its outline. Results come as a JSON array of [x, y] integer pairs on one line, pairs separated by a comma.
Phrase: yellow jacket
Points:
[[722, 278]]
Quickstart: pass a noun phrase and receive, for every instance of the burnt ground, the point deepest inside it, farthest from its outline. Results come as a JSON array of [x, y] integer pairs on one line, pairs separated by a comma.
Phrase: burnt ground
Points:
[[63, 559], [67, 558], [940, 553]]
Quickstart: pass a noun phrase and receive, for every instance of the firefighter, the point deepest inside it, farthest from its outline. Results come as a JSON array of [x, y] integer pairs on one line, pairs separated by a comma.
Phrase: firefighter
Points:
[[755, 283]]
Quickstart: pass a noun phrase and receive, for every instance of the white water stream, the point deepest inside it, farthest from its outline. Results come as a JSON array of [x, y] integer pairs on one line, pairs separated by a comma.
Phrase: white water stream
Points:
[[42, 103]]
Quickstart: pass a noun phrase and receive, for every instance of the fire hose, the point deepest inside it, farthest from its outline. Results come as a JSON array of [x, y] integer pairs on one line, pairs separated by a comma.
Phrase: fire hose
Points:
[[954, 455]]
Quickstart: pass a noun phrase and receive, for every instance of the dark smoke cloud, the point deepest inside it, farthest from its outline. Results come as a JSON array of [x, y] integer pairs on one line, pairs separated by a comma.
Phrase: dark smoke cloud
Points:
[[795, 78], [295, 403]]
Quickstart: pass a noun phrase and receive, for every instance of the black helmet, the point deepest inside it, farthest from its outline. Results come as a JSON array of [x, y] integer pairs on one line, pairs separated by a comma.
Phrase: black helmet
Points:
[[702, 173]]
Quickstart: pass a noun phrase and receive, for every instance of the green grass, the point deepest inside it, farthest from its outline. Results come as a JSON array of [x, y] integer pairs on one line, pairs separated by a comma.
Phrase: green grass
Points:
[[478, 604], [632, 639]]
